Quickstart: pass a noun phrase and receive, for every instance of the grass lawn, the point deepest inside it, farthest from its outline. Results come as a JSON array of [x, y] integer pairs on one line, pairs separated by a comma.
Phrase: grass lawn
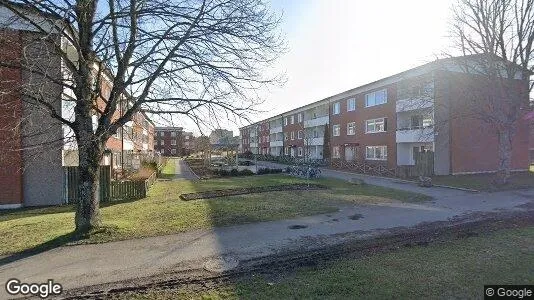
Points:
[[452, 270], [169, 169], [162, 212], [484, 182]]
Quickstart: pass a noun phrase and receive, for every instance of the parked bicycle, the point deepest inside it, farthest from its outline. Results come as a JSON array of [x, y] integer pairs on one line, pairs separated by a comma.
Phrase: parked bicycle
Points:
[[304, 171]]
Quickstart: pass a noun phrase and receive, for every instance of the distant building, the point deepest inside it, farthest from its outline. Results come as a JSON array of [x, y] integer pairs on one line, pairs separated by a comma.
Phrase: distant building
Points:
[[221, 136], [189, 143]]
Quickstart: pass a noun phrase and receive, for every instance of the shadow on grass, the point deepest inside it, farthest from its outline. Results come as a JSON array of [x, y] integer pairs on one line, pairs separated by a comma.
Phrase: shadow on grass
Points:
[[51, 244]]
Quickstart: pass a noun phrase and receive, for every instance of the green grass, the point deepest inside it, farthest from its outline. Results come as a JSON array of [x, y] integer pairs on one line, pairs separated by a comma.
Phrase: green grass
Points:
[[452, 270], [162, 212], [169, 169], [484, 182]]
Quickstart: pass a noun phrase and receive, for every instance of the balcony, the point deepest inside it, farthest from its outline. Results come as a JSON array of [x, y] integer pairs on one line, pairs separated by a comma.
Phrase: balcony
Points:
[[316, 122], [414, 104], [415, 135], [275, 130], [276, 144], [315, 141]]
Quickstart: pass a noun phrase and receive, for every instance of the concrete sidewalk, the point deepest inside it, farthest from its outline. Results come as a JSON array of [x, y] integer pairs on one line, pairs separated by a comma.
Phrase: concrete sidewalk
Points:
[[394, 183], [83, 265], [182, 171]]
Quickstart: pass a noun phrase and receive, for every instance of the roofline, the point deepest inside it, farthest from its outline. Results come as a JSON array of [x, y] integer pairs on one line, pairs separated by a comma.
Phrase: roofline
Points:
[[339, 96]]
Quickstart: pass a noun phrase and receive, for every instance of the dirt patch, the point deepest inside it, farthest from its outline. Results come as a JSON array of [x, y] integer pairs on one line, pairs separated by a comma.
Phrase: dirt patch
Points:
[[356, 217], [297, 226], [285, 264], [251, 190]]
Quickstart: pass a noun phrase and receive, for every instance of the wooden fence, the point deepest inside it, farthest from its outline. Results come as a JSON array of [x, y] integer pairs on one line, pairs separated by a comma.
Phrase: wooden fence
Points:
[[110, 190], [424, 166], [72, 183]]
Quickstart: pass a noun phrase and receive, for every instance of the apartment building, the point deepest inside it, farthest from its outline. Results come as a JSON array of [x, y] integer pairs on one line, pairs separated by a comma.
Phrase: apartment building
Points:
[[387, 122], [34, 146], [173, 141]]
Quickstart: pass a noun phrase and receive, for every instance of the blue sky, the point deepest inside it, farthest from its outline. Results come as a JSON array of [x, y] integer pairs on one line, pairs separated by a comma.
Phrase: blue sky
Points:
[[336, 45]]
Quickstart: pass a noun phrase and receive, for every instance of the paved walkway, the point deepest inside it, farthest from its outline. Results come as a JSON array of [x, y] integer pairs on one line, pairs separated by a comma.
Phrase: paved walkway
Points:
[[78, 266], [436, 192], [182, 170]]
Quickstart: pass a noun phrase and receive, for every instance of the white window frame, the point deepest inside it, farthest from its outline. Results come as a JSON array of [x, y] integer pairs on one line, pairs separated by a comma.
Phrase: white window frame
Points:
[[162, 142], [173, 142], [336, 108], [300, 151], [299, 117], [338, 127], [286, 150], [371, 153], [351, 104], [336, 152], [370, 99], [315, 134], [292, 120], [292, 135], [173, 151], [299, 134], [285, 121], [353, 125], [373, 123]]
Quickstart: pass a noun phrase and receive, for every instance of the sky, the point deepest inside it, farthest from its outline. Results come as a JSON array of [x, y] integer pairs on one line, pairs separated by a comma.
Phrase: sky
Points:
[[337, 45]]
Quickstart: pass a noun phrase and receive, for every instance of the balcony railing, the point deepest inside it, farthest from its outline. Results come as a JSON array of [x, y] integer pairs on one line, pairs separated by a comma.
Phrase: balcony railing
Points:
[[415, 135], [319, 121], [414, 104], [275, 129]]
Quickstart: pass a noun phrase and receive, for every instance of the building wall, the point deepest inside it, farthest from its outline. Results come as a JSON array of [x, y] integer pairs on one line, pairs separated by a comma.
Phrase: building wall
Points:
[[263, 140], [245, 139], [42, 135], [10, 115], [474, 145], [361, 139], [164, 134], [297, 126]]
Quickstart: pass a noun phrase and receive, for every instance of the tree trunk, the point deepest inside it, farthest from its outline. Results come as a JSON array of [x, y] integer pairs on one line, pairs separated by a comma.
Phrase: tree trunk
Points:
[[88, 212], [505, 155]]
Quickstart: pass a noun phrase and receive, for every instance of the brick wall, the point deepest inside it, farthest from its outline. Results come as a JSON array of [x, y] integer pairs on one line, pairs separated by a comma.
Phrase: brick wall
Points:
[[10, 114], [360, 139]]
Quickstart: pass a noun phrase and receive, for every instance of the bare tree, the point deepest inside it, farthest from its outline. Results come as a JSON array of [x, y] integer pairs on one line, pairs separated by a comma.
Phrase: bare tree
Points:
[[496, 37], [202, 59]]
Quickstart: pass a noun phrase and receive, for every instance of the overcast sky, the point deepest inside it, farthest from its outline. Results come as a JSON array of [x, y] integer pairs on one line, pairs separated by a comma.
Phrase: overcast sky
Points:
[[336, 45]]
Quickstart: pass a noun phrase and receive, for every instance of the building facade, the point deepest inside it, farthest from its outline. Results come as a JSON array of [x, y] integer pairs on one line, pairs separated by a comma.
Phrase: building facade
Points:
[[389, 121], [171, 141], [34, 146]]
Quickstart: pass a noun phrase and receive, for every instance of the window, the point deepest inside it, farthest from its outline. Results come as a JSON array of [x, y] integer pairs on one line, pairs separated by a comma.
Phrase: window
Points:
[[351, 128], [286, 137], [299, 117], [336, 130], [173, 151], [336, 109], [292, 119], [300, 151], [286, 151], [285, 121], [376, 125], [376, 152], [376, 98], [186, 137], [315, 134], [292, 135], [173, 142], [335, 152], [299, 135], [173, 134], [162, 142], [351, 104]]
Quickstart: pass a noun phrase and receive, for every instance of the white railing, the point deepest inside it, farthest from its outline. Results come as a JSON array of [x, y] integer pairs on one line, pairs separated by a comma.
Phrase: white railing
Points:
[[317, 121], [275, 130], [319, 141], [276, 144], [413, 104], [422, 135]]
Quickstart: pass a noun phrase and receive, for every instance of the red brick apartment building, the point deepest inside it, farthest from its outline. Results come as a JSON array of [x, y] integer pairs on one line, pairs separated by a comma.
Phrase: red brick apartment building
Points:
[[385, 122], [33, 175], [173, 141]]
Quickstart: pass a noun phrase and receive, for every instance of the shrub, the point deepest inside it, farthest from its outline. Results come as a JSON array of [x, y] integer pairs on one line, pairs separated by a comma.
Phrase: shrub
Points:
[[234, 172], [268, 171], [246, 172]]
